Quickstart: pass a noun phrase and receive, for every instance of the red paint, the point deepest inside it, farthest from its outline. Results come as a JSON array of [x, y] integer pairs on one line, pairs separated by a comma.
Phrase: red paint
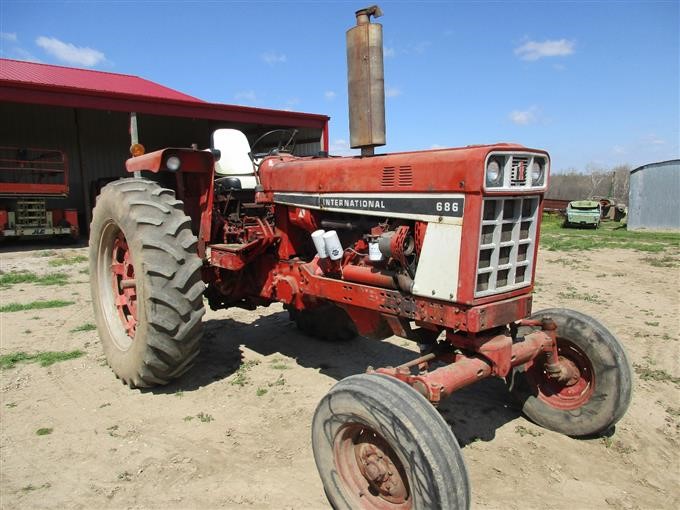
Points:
[[488, 355], [569, 394], [27, 82], [23, 171], [122, 270]]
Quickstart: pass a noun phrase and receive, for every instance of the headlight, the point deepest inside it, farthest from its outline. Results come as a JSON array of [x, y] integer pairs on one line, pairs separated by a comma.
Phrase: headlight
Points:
[[173, 163], [537, 172], [494, 174]]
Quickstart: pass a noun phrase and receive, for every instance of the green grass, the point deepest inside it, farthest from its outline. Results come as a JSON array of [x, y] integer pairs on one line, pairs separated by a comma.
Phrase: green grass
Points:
[[279, 364], [35, 305], [241, 376], [67, 261], [205, 418], [279, 382], [523, 431], [44, 431], [572, 293], [45, 359], [261, 391], [664, 261], [88, 326], [610, 235], [15, 277], [653, 374], [46, 253]]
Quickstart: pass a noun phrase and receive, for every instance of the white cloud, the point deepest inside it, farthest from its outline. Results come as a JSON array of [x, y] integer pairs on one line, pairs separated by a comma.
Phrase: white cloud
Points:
[[524, 117], [340, 147], [248, 96], [619, 150], [392, 91], [273, 57], [409, 49], [21, 54], [534, 50], [330, 95], [436, 146], [291, 103], [8, 36], [69, 53], [653, 139]]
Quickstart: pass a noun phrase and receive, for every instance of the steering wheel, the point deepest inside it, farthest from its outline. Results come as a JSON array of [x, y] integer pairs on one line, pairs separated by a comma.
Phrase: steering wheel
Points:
[[285, 143]]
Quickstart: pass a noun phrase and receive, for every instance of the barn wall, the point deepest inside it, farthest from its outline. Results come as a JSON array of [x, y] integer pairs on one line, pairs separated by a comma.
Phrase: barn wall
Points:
[[43, 127], [653, 201], [96, 142]]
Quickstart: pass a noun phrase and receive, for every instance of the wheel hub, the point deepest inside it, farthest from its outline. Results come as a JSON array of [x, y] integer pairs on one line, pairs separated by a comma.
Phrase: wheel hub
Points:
[[371, 470], [381, 473], [124, 286], [573, 385]]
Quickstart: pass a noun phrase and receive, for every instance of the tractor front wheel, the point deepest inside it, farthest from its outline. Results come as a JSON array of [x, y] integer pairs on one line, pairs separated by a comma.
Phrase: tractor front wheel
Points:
[[585, 405], [145, 277], [378, 444]]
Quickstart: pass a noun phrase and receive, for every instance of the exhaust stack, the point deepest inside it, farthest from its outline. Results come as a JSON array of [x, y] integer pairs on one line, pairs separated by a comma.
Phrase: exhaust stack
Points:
[[366, 82]]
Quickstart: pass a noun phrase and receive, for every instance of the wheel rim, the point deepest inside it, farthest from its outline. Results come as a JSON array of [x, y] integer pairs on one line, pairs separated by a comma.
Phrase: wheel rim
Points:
[[567, 395], [122, 281], [370, 469]]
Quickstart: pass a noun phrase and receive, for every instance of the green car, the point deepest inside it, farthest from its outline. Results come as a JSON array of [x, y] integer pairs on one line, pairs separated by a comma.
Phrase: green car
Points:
[[583, 213]]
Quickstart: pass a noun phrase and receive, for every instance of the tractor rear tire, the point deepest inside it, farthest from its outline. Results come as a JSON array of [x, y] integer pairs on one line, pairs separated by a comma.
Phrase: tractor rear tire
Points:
[[326, 322], [379, 444], [597, 400], [145, 278]]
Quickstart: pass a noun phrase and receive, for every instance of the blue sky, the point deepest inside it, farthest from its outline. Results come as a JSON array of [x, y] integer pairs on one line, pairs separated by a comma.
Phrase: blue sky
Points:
[[594, 83]]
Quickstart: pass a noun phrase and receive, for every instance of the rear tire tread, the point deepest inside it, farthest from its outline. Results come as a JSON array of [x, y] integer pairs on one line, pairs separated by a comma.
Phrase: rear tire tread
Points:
[[172, 272]]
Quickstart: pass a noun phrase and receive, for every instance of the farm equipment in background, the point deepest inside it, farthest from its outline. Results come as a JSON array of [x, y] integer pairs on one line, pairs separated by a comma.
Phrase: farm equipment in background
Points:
[[438, 247], [28, 177], [583, 213]]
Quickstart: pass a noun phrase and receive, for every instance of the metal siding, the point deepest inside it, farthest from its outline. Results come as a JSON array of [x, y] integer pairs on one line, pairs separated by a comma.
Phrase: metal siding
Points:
[[654, 197]]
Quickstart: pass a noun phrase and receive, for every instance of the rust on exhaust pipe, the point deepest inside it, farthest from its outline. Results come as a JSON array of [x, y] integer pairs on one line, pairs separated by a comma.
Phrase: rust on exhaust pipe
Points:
[[366, 82]]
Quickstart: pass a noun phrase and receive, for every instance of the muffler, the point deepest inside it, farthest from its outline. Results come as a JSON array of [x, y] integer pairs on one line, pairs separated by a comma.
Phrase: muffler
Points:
[[366, 82]]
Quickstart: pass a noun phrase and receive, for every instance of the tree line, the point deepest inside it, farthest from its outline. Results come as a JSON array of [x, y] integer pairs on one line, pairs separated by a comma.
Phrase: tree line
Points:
[[573, 185]]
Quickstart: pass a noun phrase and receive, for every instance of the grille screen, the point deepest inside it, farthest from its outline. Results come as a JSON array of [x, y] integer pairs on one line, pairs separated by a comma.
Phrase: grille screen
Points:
[[519, 168], [506, 245]]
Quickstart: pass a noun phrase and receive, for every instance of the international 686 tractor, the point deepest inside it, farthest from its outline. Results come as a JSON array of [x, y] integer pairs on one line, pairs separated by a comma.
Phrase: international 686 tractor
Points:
[[438, 247]]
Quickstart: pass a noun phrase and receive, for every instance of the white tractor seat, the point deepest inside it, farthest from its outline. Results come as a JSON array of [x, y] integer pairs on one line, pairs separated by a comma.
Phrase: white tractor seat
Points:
[[234, 157]]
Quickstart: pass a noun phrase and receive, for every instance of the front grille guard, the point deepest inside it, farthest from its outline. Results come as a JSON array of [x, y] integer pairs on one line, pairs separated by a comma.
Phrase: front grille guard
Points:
[[506, 244]]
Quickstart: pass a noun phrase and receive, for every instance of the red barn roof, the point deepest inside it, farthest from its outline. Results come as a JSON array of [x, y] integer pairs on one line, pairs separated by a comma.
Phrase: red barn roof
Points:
[[85, 79], [28, 82]]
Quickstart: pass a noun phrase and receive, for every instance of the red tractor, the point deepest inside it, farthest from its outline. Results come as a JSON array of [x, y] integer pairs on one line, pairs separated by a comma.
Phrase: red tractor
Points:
[[438, 247]]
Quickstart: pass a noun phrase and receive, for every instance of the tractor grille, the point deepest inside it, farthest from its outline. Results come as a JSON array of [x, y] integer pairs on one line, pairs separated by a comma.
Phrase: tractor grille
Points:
[[506, 246], [519, 170]]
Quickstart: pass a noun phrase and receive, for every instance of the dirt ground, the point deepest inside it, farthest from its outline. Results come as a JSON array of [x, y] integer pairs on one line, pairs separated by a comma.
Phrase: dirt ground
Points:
[[224, 437]]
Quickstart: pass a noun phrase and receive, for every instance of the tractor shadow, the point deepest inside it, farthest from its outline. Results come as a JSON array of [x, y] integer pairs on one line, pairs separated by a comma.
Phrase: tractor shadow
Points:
[[474, 413]]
